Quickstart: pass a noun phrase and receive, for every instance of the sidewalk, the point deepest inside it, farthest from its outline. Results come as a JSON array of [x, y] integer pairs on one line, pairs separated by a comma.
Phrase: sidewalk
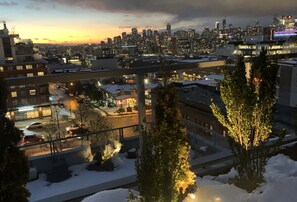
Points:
[[112, 111]]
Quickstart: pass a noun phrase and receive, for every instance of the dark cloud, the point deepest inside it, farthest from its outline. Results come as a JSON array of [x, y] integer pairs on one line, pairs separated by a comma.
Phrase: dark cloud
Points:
[[187, 9], [8, 3]]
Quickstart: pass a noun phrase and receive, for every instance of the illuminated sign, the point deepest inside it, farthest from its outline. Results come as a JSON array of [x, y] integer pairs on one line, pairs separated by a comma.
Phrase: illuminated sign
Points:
[[26, 108], [285, 33]]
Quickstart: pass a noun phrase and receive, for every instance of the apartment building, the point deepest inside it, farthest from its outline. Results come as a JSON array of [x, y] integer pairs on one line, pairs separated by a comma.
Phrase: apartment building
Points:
[[18, 59]]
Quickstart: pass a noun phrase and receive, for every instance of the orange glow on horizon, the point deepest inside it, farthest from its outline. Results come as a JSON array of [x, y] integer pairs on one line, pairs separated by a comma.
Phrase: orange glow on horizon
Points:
[[67, 34]]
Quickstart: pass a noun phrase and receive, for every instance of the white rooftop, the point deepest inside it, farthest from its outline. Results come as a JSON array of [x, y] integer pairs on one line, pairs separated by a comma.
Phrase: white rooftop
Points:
[[214, 77], [114, 88], [202, 82]]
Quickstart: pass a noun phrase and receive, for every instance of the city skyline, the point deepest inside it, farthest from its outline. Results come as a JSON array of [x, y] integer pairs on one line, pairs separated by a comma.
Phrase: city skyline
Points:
[[90, 21]]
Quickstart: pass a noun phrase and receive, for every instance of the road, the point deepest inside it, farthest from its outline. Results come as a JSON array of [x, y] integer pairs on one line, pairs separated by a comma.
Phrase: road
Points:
[[66, 118], [72, 105]]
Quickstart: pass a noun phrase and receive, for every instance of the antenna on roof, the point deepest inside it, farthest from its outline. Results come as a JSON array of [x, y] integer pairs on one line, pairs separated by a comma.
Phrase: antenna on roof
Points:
[[4, 24]]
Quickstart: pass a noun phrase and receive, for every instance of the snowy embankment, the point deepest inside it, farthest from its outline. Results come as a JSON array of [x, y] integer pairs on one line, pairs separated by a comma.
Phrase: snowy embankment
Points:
[[280, 186], [82, 182]]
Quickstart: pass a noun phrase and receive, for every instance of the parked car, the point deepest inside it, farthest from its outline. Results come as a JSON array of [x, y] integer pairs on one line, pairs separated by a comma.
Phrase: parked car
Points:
[[78, 130], [34, 125], [72, 127], [32, 139]]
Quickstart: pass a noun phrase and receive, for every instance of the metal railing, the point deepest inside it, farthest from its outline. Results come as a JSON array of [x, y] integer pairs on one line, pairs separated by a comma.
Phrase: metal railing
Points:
[[74, 141]]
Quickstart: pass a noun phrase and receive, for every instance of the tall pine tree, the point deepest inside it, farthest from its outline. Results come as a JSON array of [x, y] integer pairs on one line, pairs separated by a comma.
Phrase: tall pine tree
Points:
[[14, 167], [249, 98], [163, 171]]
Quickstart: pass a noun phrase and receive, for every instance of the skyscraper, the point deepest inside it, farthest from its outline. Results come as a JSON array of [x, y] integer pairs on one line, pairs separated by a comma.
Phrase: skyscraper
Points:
[[124, 34], [217, 26], [134, 31], [191, 33], [144, 33], [168, 28], [149, 33], [224, 24]]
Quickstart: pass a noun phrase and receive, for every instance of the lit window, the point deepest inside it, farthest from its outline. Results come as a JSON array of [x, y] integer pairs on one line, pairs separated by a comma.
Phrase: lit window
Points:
[[14, 94], [19, 67], [30, 74], [29, 67], [12, 87], [1, 69], [40, 73], [32, 92], [22, 86]]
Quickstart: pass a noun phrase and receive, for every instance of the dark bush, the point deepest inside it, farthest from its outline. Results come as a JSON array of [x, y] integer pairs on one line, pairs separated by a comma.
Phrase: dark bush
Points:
[[129, 109]]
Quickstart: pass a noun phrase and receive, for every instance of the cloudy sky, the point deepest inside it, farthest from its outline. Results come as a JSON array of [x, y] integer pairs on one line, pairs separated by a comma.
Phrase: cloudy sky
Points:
[[74, 21]]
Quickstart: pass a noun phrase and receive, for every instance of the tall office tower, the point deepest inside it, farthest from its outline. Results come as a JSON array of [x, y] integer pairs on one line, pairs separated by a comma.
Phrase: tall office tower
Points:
[[144, 33], [18, 60], [224, 24], [124, 35], [268, 33], [217, 26], [117, 40], [109, 41], [191, 33], [168, 28], [134, 32], [149, 33]]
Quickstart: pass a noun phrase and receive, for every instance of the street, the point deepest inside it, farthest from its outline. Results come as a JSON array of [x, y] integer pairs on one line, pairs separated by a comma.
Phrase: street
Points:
[[72, 105], [66, 116]]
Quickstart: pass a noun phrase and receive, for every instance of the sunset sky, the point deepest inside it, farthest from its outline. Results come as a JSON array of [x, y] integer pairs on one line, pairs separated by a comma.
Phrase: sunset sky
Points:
[[78, 21]]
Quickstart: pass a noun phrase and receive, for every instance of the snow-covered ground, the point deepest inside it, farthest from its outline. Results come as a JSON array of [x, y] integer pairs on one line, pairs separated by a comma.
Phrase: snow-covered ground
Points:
[[279, 186], [81, 179]]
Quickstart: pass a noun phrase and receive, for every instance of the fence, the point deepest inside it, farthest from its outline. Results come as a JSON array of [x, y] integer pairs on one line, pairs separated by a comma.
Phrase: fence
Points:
[[98, 138]]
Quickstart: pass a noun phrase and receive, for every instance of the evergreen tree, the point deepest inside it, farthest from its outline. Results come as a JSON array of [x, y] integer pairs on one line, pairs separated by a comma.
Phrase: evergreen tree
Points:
[[249, 98], [163, 171], [14, 167]]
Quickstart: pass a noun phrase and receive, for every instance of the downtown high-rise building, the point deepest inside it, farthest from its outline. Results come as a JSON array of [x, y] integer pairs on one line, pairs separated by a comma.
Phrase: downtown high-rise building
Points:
[[168, 28], [149, 33], [217, 26], [224, 23]]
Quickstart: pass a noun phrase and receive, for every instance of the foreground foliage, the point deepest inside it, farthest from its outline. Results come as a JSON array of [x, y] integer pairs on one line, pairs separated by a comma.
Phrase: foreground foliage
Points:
[[14, 167], [163, 171], [249, 98]]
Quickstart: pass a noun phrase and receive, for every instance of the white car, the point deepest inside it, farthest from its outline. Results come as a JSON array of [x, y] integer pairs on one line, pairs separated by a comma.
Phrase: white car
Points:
[[34, 125], [72, 127]]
